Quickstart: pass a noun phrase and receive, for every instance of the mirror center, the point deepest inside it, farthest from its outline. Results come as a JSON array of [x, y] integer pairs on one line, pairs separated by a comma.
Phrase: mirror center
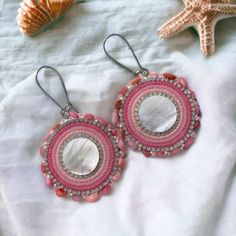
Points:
[[81, 156], [157, 113]]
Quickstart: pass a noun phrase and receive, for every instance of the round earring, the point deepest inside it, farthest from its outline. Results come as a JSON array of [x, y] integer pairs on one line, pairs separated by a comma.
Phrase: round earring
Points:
[[155, 113], [82, 154]]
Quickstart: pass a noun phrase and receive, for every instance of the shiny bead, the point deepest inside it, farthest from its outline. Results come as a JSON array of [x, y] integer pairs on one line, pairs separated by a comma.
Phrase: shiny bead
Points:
[[183, 82], [89, 116], [147, 154], [121, 145], [42, 150], [60, 192], [115, 118], [188, 143], [106, 190], [123, 91], [176, 151], [46, 138], [49, 182], [197, 124], [160, 154], [132, 145], [116, 177], [121, 163], [118, 104], [121, 134], [74, 114], [169, 76], [136, 80], [43, 168], [114, 132], [77, 198], [56, 126], [122, 155], [92, 197], [197, 110], [102, 121], [193, 95]]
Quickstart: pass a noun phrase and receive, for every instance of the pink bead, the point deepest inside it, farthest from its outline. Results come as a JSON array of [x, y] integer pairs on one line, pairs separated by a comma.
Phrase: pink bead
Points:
[[169, 76], [77, 198], [116, 177], [106, 190], [56, 126], [121, 163], [193, 134], [123, 91], [43, 168], [197, 110], [114, 117], [118, 104], [49, 182], [113, 131], [188, 143], [122, 155], [160, 154], [183, 82], [89, 116], [60, 192], [74, 114], [102, 121], [147, 154], [197, 124], [154, 74], [46, 138], [136, 80], [121, 133], [42, 151], [92, 197], [132, 145], [121, 145], [193, 95], [176, 151]]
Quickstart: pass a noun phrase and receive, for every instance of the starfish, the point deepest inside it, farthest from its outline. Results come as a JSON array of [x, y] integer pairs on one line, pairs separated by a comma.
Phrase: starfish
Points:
[[203, 15]]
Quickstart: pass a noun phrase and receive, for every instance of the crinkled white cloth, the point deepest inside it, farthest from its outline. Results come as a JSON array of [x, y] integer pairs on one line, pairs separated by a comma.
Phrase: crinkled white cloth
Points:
[[192, 194]]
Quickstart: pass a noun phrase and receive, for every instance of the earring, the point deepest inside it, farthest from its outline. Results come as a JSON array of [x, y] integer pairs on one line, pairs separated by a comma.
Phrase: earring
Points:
[[155, 113], [82, 155]]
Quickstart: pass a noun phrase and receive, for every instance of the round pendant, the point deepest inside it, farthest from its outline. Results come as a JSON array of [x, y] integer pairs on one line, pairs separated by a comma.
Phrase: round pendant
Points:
[[157, 115], [82, 157]]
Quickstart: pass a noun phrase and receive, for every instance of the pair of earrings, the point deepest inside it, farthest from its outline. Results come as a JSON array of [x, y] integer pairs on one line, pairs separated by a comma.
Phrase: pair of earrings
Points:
[[83, 155]]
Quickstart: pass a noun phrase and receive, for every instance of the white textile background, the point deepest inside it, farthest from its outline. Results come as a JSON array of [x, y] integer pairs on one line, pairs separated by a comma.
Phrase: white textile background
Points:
[[192, 194]]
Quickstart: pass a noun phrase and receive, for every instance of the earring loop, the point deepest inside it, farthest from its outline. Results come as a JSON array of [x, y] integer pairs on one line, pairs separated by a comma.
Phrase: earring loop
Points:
[[142, 70], [69, 106]]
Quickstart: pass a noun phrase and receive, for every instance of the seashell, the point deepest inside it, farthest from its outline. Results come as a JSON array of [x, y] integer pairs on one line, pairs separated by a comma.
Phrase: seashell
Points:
[[36, 15]]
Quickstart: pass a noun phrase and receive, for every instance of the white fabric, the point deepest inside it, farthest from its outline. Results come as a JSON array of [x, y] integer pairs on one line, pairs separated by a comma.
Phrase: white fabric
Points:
[[192, 194]]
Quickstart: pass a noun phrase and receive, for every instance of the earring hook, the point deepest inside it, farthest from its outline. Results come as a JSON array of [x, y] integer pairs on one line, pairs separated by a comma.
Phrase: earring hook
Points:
[[68, 107], [142, 70]]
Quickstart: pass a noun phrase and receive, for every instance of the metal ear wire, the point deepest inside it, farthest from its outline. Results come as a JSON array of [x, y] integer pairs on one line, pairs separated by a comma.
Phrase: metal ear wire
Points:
[[68, 107], [142, 70]]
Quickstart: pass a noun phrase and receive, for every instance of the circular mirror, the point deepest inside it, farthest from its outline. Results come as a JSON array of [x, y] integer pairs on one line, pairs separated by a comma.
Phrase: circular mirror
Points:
[[81, 156], [157, 113]]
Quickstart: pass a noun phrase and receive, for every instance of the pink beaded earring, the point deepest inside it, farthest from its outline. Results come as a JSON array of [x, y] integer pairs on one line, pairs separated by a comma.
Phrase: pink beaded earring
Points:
[[82, 155], [155, 113]]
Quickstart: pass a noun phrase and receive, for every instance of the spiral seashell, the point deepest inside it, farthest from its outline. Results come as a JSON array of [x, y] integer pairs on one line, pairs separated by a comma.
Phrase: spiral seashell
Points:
[[36, 15]]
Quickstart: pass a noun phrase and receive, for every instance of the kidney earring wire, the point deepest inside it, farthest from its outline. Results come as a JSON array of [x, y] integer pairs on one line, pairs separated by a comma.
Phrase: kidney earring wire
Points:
[[64, 110]]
